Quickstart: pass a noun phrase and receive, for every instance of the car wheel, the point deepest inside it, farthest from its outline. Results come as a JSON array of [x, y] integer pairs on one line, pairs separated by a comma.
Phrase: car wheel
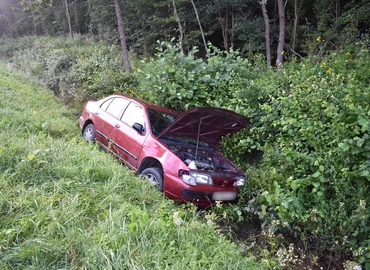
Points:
[[155, 177], [88, 133]]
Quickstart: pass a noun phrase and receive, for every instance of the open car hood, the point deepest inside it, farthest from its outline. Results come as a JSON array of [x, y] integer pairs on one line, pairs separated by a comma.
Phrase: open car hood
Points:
[[207, 124]]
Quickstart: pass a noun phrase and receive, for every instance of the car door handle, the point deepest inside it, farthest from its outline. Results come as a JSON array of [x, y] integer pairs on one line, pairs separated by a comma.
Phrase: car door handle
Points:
[[117, 126]]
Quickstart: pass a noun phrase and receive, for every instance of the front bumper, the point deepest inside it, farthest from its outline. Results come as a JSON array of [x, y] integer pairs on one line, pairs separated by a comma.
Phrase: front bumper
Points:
[[200, 195]]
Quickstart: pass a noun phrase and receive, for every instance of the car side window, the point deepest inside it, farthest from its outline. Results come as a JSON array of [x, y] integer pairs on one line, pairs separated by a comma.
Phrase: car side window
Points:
[[105, 104], [116, 106], [133, 114]]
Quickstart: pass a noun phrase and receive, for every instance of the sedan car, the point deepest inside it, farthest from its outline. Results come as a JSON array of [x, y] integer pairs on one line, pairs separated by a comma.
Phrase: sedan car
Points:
[[176, 152]]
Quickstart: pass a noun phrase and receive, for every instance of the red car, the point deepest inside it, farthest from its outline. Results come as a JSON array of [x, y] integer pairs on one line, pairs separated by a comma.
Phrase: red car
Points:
[[175, 152]]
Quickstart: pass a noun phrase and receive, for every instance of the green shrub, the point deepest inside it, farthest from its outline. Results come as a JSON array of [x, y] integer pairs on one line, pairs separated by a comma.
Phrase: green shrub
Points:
[[315, 172], [98, 72], [182, 81], [306, 151]]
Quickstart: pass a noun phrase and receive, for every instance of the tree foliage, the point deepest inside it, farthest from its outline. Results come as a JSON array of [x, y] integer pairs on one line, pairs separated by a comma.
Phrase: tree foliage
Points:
[[226, 24]]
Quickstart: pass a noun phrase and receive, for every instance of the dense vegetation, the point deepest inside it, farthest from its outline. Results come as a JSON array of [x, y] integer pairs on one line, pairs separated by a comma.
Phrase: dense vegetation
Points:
[[306, 153], [65, 204]]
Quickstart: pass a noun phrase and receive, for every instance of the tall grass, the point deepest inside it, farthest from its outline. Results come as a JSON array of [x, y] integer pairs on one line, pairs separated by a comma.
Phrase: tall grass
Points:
[[66, 204]]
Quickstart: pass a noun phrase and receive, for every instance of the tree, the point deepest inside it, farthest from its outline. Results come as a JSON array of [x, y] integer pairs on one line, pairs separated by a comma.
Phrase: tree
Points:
[[280, 49], [181, 31], [294, 32], [226, 24], [267, 32], [226, 13], [68, 19], [200, 27], [122, 37]]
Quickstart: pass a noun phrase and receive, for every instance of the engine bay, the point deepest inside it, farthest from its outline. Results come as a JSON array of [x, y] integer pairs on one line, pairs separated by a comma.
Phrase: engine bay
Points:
[[200, 157]]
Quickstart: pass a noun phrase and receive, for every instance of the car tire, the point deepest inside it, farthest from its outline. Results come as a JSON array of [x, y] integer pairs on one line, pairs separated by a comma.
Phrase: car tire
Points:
[[155, 177], [88, 133]]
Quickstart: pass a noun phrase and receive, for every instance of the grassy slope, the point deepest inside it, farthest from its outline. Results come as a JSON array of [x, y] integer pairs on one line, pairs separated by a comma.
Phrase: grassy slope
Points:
[[68, 204]]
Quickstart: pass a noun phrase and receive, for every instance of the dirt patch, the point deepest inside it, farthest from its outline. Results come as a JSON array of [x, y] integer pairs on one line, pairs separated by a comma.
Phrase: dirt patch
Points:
[[285, 247]]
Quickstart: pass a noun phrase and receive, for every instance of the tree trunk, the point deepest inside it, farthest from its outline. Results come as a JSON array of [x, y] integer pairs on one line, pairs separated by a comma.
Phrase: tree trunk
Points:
[[69, 19], [181, 34], [232, 37], [280, 49], [76, 13], [223, 29], [267, 32], [200, 27], [294, 34], [227, 28], [122, 37], [89, 17]]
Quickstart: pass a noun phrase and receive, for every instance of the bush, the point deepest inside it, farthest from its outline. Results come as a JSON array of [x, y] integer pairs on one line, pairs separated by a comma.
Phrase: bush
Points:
[[315, 172], [98, 72], [182, 81], [307, 148]]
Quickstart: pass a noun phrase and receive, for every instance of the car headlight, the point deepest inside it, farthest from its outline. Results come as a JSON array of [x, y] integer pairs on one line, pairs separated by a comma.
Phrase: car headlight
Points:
[[240, 181], [190, 180], [194, 178], [202, 178]]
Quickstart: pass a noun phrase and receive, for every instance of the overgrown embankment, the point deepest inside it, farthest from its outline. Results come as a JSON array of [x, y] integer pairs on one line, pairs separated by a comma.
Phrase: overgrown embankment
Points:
[[65, 204], [306, 152]]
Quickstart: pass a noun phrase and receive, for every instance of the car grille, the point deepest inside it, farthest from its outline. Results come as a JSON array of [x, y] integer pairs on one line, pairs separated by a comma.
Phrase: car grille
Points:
[[223, 182], [196, 194]]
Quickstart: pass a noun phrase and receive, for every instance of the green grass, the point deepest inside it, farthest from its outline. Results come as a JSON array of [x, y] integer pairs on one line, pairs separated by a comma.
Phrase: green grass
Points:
[[66, 204]]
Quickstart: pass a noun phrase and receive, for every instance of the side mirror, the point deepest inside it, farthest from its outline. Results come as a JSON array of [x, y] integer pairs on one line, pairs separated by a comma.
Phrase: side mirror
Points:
[[138, 127]]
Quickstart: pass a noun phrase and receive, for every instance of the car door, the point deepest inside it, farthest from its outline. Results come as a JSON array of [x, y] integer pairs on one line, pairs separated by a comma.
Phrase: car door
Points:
[[109, 115], [129, 140]]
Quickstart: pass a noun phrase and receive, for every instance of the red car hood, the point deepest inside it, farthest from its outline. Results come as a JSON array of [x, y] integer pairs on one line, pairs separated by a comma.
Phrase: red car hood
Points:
[[207, 124]]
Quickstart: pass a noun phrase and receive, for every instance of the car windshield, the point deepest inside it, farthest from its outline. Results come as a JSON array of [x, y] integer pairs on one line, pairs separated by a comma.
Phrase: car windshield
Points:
[[159, 120]]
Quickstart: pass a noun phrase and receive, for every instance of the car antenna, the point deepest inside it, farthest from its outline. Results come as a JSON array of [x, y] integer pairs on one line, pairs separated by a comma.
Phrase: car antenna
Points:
[[198, 135]]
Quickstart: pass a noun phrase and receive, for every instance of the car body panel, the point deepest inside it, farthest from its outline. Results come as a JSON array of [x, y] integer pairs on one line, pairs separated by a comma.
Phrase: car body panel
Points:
[[206, 124], [128, 141], [175, 144]]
